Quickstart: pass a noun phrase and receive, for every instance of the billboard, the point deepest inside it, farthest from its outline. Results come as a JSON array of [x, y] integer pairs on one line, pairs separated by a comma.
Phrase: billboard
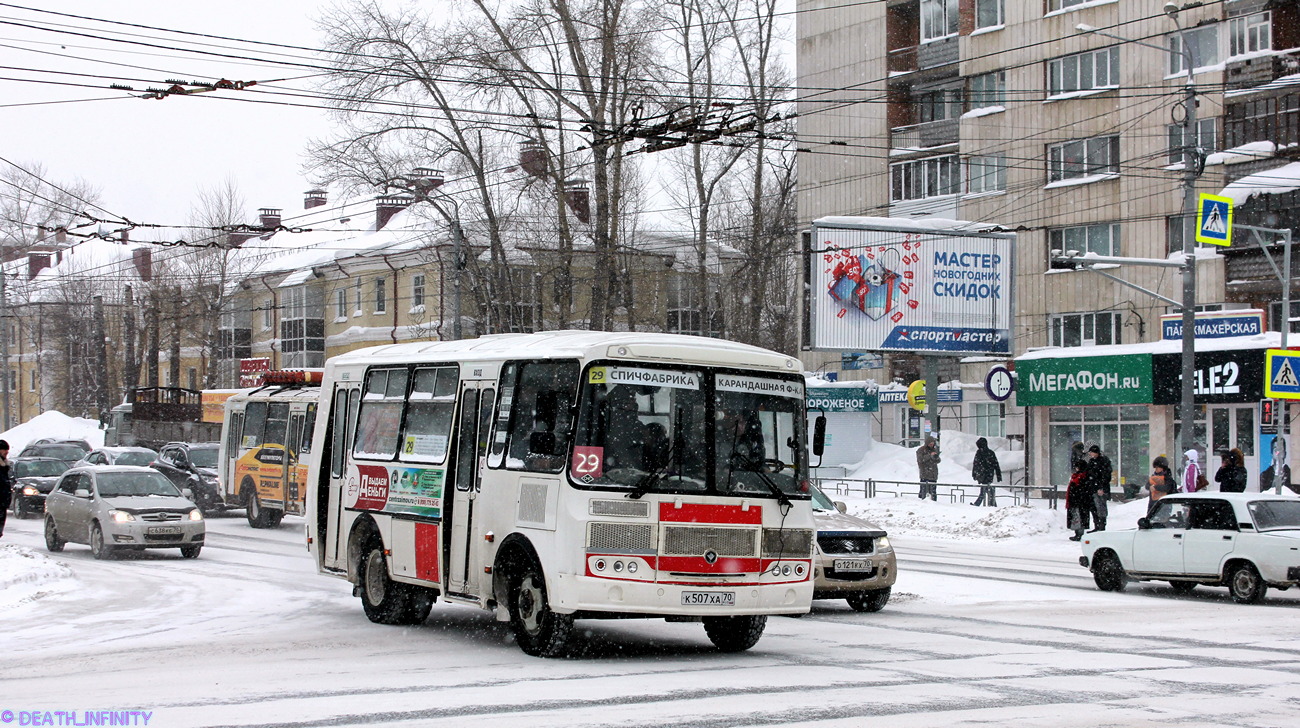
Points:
[[880, 284]]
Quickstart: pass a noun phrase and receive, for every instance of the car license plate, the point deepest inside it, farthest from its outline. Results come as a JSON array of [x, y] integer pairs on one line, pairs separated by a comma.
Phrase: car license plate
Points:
[[853, 564], [711, 599], [163, 530]]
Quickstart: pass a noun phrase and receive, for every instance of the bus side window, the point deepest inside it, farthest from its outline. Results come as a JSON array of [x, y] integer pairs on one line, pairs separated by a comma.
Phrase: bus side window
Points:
[[339, 429], [308, 425], [429, 411], [277, 424], [501, 425], [379, 419], [542, 404], [235, 434]]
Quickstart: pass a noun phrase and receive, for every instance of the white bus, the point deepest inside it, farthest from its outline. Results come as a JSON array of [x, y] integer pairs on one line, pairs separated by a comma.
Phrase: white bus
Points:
[[566, 475]]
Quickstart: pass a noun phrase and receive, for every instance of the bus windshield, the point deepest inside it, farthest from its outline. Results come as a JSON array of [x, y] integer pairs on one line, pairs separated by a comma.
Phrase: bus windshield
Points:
[[657, 430]]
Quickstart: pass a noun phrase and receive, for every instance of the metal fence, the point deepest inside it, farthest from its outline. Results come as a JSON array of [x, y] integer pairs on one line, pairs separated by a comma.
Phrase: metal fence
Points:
[[953, 492]]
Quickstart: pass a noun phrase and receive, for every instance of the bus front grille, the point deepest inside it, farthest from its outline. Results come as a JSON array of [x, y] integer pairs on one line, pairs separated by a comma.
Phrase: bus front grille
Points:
[[696, 540], [621, 538], [787, 543]]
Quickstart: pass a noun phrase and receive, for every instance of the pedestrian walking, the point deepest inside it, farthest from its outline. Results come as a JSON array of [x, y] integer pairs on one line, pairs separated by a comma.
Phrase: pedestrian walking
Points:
[[1231, 475], [6, 483], [986, 467], [1099, 476], [927, 465], [1078, 501], [1193, 479], [1161, 482]]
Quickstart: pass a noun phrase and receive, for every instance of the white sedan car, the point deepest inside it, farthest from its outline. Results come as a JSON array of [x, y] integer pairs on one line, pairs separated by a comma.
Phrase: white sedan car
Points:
[[1244, 541]]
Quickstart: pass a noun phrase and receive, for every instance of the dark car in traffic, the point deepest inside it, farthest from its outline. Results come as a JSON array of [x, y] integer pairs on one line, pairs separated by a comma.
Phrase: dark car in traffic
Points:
[[34, 478], [69, 451], [192, 466]]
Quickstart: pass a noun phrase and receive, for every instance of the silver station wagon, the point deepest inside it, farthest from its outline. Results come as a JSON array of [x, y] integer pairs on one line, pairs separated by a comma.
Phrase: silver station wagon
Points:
[[1247, 542], [854, 560], [116, 507]]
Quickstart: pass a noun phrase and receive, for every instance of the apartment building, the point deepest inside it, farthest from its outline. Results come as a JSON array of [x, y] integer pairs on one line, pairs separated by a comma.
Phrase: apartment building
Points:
[[1021, 114]]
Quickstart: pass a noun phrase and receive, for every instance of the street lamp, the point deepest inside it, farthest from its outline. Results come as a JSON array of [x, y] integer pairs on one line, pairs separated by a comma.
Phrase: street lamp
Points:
[[1191, 170]]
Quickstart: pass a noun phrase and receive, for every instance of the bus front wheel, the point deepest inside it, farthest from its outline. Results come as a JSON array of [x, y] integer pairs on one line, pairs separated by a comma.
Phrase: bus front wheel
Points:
[[539, 631], [384, 600], [735, 634]]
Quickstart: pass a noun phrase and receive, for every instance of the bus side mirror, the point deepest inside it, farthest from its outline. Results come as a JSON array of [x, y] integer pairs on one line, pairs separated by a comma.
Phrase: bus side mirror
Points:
[[819, 435]]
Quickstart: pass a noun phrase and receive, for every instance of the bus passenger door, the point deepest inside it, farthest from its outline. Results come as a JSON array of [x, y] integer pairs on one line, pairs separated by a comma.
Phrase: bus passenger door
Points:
[[471, 450], [330, 505], [292, 495]]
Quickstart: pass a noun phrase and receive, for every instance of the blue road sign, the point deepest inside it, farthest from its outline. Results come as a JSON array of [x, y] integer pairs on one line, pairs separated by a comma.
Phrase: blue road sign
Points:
[[1282, 374], [1214, 220]]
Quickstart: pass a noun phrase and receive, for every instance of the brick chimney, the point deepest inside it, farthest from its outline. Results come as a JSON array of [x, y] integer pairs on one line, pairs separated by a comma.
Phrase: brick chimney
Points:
[[269, 217], [37, 262], [426, 179], [315, 198], [387, 206], [577, 195], [142, 258], [532, 158]]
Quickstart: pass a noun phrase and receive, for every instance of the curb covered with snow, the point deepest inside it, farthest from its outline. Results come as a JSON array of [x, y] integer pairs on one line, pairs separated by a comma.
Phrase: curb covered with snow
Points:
[[26, 575]]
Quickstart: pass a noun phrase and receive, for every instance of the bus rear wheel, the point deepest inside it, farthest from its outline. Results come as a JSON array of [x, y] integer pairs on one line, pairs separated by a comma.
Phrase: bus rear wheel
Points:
[[735, 634], [259, 517], [539, 631]]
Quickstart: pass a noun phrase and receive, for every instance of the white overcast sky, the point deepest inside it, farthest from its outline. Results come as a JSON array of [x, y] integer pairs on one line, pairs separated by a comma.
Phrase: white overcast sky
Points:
[[149, 158]]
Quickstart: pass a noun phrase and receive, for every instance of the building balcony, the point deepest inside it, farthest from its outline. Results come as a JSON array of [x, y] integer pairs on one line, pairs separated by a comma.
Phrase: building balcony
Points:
[[928, 134], [1259, 70], [901, 60]]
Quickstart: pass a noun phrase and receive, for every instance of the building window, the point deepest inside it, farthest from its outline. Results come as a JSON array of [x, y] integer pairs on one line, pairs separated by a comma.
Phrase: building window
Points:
[[1083, 158], [938, 19], [938, 104], [988, 89], [234, 342], [1275, 316], [925, 178], [268, 313], [192, 376], [990, 419], [31, 380], [1250, 34], [1202, 43], [417, 291], [359, 298], [1102, 239], [1086, 329], [1205, 139], [1083, 72], [381, 294], [518, 309], [341, 303], [685, 314], [986, 174], [1122, 433], [13, 380], [1053, 5], [988, 13], [302, 328]]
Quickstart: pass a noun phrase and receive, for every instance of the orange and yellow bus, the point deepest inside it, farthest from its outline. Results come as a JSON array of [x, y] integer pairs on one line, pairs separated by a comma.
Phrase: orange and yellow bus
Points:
[[264, 446]]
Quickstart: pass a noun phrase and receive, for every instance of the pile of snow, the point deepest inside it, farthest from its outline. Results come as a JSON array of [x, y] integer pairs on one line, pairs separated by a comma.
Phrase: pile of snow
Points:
[[906, 515], [26, 575], [56, 425], [957, 449]]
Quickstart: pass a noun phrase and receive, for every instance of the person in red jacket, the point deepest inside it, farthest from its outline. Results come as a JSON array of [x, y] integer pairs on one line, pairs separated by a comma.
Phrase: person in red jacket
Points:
[[1078, 501]]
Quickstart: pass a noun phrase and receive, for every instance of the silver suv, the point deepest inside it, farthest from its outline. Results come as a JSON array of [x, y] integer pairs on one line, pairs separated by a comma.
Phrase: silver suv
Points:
[[855, 561], [113, 507]]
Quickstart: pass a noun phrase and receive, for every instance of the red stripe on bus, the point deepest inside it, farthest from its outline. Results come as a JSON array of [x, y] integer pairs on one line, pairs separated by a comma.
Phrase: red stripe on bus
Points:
[[709, 513], [426, 552]]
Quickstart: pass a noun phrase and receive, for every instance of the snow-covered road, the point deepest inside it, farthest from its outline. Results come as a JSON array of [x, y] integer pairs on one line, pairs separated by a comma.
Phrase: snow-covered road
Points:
[[979, 633]]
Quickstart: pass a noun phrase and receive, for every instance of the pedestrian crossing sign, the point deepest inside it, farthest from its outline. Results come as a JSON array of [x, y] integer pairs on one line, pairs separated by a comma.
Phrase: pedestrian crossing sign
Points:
[[1282, 374], [1214, 220]]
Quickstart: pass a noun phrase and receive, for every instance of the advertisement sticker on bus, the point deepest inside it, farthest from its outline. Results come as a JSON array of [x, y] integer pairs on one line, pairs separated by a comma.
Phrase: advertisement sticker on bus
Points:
[[758, 385], [417, 491], [611, 376], [430, 446]]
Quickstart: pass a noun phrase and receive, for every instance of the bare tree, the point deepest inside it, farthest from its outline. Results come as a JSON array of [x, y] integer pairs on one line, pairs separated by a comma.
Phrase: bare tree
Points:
[[209, 274], [32, 208]]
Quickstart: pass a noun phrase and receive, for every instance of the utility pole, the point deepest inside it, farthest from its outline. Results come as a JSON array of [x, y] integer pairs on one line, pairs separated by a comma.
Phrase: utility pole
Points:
[[4, 341], [1191, 170], [131, 367], [101, 361], [458, 265]]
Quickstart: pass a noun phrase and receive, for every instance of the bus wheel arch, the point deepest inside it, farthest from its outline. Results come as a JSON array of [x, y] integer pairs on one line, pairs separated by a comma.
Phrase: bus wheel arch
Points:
[[519, 582], [384, 600]]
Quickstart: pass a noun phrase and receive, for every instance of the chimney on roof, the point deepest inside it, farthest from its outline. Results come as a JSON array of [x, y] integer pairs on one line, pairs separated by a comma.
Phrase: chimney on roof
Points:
[[269, 217], [315, 198], [37, 262], [577, 195], [387, 206], [61, 235], [426, 179], [532, 157], [126, 236], [143, 261]]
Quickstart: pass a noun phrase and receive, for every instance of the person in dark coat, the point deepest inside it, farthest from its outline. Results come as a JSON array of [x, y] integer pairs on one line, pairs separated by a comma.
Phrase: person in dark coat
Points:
[[6, 483], [1099, 476], [927, 466], [1078, 501], [1231, 475], [985, 469]]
